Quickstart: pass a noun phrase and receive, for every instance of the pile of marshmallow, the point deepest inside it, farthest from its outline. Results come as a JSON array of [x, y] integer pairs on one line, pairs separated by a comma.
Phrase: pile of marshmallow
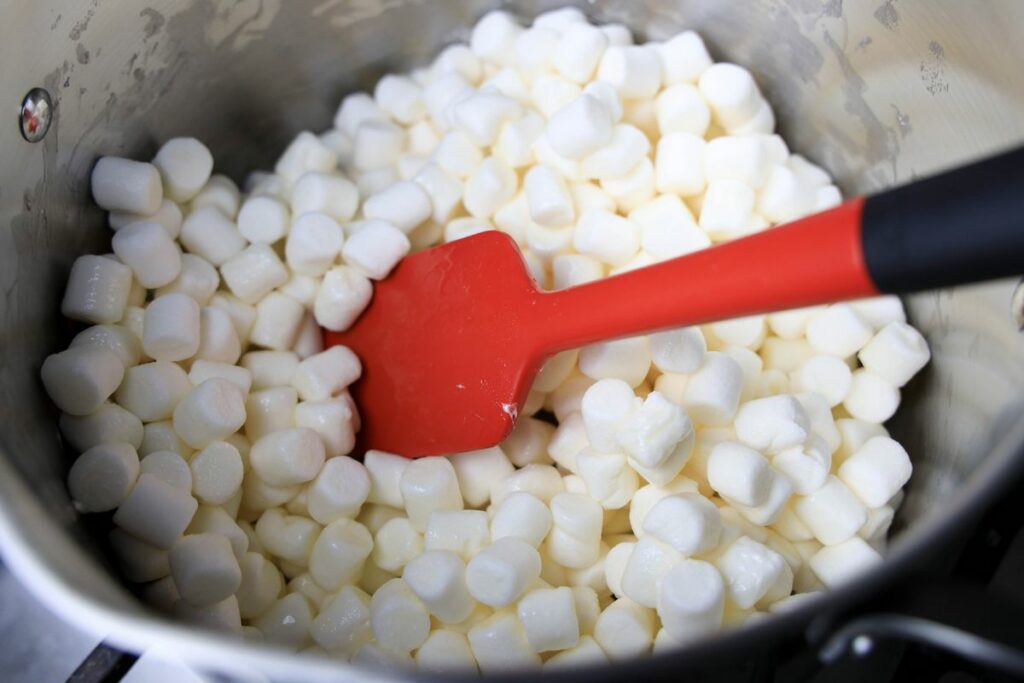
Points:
[[674, 485]]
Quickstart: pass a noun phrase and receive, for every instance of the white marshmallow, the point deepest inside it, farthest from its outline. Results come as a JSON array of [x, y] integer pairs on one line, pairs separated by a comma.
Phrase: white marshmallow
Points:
[[305, 153], [737, 157], [749, 570], [203, 370], [198, 279], [463, 532], [499, 644], [871, 398], [876, 471], [681, 109], [79, 379], [103, 476], [221, 616], [646, 568], [826, 375], [210, 412], [465, 227], [287, 621], [385, 472], [287, 457], [712, 393], [827, 197], [628, 360], [494, 36], [687, 522], [568, 439], [605, 407], [515, 141], [528, 442], [139, 562], [489, 187], [457, 155], [344, 294], [534, 49], [502, 571], [208, 233], [125, 185], [151, 391], [204, 568], [219, 192], [727, 209], [155, 511], [216, 473], [579, 128], [634, 70], [356, 109], [508, 82], [832, 513], [289, 537], [339, 490], [219, 521], [269, 410], [880, 311], [438, 578], [400, 97], [740, 474], [679, 166], [838, 331], [691, 600], [478, 471], [634, 188], [683, 58], [875, 529], [325, 193], [480, 116], [617, 34], [97, 290], [895, 354], [270, 368], [680, 350], [116, 338], [559, 19], [521, 515], [607, 477], [109, 423], [627, 147], [779, 491], [314, 242], [444, 190], [805, 467], [625, 629], [548, 198], [404, 204], [263, 219], [152, 255], [376, 249], [371, 182], [772, 424], [339, 553], [650, 433], [843, 562], [325, 374], [377, 145], [784, 197], [548, 616], [606, 237], [168, 216], [458, 59], [732, 94], [429, 484], [445, 651], [343, 624], [172, 327], [396, 543], [607, 95], [575, 537], [579, 51]]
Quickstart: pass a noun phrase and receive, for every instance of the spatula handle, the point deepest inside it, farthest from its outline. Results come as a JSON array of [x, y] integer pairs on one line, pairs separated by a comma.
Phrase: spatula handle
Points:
[[962, 226]]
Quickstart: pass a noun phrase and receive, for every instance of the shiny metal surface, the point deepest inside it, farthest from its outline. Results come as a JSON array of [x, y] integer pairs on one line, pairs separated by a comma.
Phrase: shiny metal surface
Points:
[[35, 115], [876, 91]]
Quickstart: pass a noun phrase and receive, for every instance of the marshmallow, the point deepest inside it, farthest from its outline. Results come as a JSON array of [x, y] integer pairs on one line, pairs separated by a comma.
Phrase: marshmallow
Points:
[[627, 147], [543, 481], [679, 166], [338, 554], [219, 521], [139, 562], [109, 423], [125, 185], [876, 471], [463, 532], [481, 115], [263, 219], [198, 279], [680, 350], [731, 92], [853, 434], [259, 496], [837, 564], [646, 568], [566, 399], [749, 570], [833, 513], [523, 516], [438, 578], [681, 109], [635, 71], [324, 193], [478, 471], [254, 272], [683, 58], [172, 327], [499, 644], [579, 51], [216, 473], [203, 370], [805, 467], [826, 375], [289, 537], [579, 128], [81, 378], [219, 192], [895, 354], [490, 186], [404, 205], [120, 340], [575, 537], [355, 110], [444, 651], [634, 188], [548, 198], [147, 249], [508, 82], [548, 616], [606, 237], [615, 565], [152, 390], [287, 621], [605, 407], [457, 154], [772, 424], [210, 412], [712, 393], [738, 157], [287, 457], [400, 97], [429, 484], [376, 249], [528, 442], [209, 234], [879, 311], [339, 490], [838, 331], [376, 145], [607, 477], [465, 227], [155, 511], [534, 50], [444, 190], [687, 522], [269, 410], [502, 571], [691, 600], [270, 368], [103, 476], [607, 95], [494, 36], [396, 543], [871, 398], [386, 471], [168, 216], [779, 491], [344, 294], [97, 290], [204, 568], [305, 153], [727, 209], [625, 629], [650, 433], [739, 473], [325, 374], [343, 624]]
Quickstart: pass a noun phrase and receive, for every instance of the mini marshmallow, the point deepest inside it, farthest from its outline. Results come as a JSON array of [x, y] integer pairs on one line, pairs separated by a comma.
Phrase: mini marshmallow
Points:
[[463, 532], [548, 616], [523, 516], [779, 491], [404, 205], [339, 553], [400, 97], [627, 147], [210, 412], [687, 522], [343, 624], [712, 393], [838, 331], [681, 109], [605, 407], [691, 600], [254, 272], [478, 471], [727, 209], [508, 82], [205, 570], [287, 457], [749, 570], [615, 566], [377, 145], [444, 651], [649, 434], [325, 374], [457, 155], [203, 370], [738, 157], [288, 537], [109, 423], [607, 477], [606, 237], [579, 128], [171, 330], [895, 354], [270, 368], [260, 497], [218, 340], [339, 490], [79, 379], [396, 543], [198, 279], [208, 233], [216, 473], [879, 520], [528, 442], [833, 513], [876, 471], [680, 350], [429, 484], [355, 110], [805, 467], [139, 562], [332, 195], [634, 188], [152, 255], [97, 290], [103, 476], [772, 424], [385, 472], [151, 391], [837, 564], [343, 295], [269, 410], [444, 190], [120, 340], [168, 216], [125, 185], [625, 629], [481, 115], [683, 58], [826, 375], [438, 578], [220, 616], [575, 537], [579, 51], [376, 249], [646, 568], [499, 644], [305, 153], [155, 511], [879, 311], [739, 473], [548, 198], [491, 185], [314, 242], [494, 36], [731, 92], [635, 71], [219, 521], [534, 49], [219, 192], [502, 571], [679, 166], [871, 398], [287, 621]]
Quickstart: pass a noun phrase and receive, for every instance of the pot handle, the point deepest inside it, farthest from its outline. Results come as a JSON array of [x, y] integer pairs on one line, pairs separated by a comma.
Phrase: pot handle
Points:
[[970, 621]]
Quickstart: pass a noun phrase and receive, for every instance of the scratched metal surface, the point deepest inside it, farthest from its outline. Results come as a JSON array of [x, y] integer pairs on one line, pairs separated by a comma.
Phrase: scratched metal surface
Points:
[[878, 92]]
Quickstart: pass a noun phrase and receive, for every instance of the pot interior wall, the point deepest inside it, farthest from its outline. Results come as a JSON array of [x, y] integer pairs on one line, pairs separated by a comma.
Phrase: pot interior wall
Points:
[[877, 92]]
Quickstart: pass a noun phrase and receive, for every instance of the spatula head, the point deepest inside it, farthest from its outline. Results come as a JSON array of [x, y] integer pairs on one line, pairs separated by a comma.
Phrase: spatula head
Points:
[[448, 346]]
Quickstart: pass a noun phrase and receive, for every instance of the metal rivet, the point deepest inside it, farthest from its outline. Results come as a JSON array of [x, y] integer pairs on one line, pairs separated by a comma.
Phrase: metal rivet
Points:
[[862, 645], [36, 115]]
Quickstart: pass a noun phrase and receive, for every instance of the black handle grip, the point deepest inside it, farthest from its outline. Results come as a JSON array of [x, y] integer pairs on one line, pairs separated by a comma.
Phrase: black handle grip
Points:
[[958, 227]]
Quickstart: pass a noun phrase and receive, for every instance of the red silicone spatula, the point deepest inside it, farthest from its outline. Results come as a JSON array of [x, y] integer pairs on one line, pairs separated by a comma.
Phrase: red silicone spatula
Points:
[[456, 334]]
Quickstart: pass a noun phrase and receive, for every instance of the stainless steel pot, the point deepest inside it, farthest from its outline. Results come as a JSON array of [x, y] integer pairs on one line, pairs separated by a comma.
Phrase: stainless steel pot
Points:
[[877, 91]]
